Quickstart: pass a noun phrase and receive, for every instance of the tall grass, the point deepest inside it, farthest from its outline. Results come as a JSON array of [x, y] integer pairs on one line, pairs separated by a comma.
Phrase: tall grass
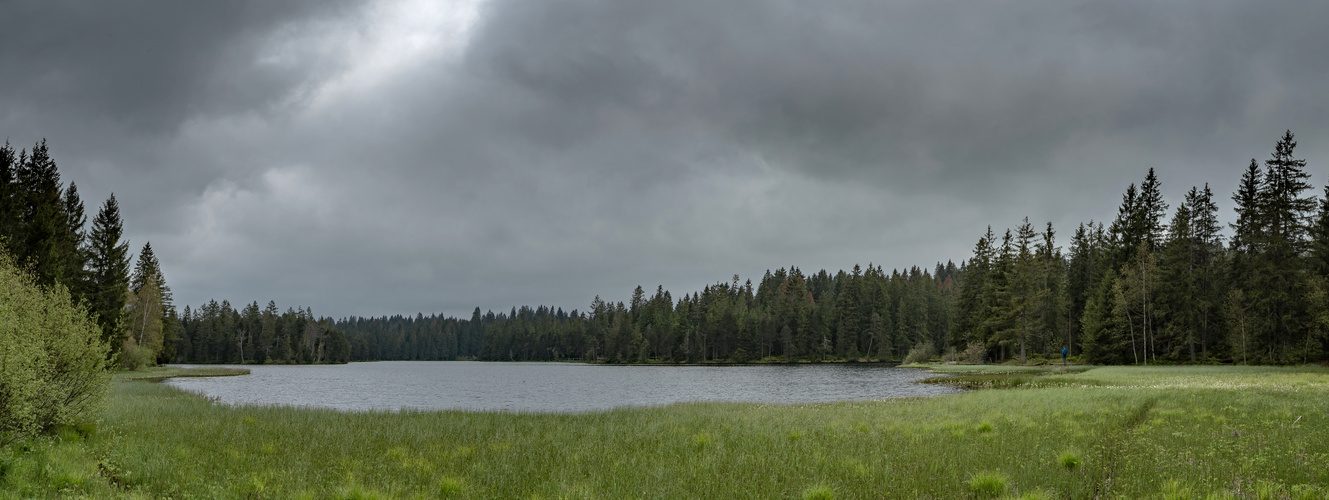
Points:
[[1239, 432]]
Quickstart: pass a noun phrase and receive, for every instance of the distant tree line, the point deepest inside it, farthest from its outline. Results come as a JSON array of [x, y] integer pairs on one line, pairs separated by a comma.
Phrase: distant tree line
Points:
[[218, 333], [1146, 288], [1143, 289], [43, 230], [865, 313]]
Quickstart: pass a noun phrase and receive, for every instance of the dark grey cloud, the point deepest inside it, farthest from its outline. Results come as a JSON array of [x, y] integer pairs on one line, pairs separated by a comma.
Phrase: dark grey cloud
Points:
[[394, 157], [151, 65]]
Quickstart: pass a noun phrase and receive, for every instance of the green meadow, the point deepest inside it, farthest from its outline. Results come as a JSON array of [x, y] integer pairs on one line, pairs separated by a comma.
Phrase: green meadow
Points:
[[1079, 432]]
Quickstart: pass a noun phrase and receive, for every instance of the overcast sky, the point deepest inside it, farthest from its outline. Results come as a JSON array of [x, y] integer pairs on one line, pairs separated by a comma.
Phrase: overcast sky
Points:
[[370, 158]]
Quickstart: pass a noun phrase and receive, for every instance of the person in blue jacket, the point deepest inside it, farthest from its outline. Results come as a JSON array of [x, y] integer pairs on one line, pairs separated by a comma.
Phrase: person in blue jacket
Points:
[[1063, 355]]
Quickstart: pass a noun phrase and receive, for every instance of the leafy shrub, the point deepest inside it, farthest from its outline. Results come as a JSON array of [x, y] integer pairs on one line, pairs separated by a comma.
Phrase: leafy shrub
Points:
[[973, 354], [740, 356], [921, 353], [52, 359], [133, 357]]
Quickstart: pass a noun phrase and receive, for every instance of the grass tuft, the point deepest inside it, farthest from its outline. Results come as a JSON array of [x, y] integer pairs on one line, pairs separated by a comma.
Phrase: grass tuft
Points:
[[819, 491], [1174, 490], [702, 439], [451, 487], [987, 484], [1069, 460]]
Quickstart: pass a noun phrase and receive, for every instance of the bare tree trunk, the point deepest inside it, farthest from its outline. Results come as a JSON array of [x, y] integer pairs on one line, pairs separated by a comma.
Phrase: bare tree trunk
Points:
[[1204, 336], [1024, 334], [1131, 325], [1243, 339], [1144, 314], [1069, 340]]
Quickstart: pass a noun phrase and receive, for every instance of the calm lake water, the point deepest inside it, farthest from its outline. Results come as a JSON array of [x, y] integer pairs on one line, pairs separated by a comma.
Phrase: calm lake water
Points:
[[552, 387]]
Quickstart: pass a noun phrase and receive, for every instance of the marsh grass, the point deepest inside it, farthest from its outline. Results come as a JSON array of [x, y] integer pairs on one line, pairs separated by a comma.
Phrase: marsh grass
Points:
[[158, 373], [1203, 431]]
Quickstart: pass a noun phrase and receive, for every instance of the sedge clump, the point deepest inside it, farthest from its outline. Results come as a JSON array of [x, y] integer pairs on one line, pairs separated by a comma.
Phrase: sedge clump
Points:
[[987, 484], [1069, 460]]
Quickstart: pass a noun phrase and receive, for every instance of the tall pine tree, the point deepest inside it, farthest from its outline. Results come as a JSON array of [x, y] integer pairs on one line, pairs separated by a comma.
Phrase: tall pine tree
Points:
[[109, 269]]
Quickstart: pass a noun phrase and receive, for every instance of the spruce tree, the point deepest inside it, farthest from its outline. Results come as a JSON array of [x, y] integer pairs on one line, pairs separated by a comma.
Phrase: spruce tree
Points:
[[1179, 283], [1319, 235], [146, 267], [1150, 211], [9, 192], [1246, 232], [1125, 228], [44, 224], [1278, 292], [1052, 288], [1025, 292], [1003, 311], [1102, 339], [73, 246], [109, 268], [1208, 252], [972, 304]]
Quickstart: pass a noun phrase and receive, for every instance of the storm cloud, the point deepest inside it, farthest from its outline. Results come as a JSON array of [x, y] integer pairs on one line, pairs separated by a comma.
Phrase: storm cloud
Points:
[[400, 157]]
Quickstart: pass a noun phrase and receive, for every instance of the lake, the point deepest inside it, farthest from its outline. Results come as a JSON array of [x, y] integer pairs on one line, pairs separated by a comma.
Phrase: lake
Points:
[[552, 387]]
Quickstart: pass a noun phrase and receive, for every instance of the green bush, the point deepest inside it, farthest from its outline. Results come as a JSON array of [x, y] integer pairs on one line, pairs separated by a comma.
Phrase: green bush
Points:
[[921, 353], [133, 357], [973, 354], [52, 359]]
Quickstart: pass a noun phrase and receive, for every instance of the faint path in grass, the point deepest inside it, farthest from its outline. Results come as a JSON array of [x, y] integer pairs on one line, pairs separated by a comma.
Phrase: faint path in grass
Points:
[[1112, 446]]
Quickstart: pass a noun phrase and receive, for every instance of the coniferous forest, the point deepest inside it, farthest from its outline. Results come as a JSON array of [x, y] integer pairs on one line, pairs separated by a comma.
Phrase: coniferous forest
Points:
[[1155, 284], [44, 228]]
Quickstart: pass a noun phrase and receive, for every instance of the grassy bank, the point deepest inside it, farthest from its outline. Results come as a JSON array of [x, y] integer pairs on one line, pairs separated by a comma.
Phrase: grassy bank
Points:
[[159, 373], [1174, 432]]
